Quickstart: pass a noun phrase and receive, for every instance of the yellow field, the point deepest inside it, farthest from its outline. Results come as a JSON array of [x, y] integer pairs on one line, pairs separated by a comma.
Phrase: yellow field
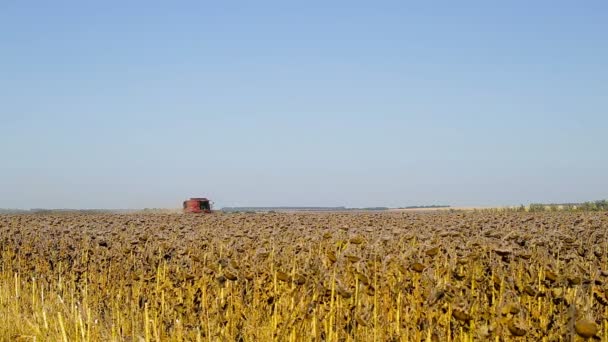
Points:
[[400, 276]]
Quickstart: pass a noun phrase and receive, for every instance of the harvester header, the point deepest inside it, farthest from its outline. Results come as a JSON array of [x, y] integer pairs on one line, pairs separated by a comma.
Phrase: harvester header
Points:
[[197, 205]]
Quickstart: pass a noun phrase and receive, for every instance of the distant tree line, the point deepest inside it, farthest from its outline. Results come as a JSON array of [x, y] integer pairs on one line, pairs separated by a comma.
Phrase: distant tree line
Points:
[[434, 206], [12, 211], [601, 205], [43, 211]]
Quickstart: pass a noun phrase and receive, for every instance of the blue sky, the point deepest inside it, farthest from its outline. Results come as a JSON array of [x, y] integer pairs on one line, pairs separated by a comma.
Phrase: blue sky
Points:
[[128, 104]]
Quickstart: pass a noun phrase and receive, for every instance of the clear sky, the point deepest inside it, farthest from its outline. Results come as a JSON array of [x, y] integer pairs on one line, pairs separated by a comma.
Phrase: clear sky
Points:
[[130, 104]]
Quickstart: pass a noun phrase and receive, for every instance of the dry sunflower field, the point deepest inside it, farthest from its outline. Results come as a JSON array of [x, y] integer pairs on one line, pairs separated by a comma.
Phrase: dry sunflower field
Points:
[[440, 276]]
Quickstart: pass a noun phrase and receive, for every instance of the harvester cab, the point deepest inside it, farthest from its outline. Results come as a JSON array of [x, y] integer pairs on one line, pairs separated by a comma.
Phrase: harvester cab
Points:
[[197, 206]]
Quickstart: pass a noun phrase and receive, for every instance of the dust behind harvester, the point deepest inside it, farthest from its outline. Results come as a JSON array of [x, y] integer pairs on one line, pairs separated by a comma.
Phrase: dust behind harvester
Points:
[[197, 206]]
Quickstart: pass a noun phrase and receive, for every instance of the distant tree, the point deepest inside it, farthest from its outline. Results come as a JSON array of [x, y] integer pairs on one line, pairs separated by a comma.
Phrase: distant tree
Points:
[[536, 207], [602, 205], [588, 206]]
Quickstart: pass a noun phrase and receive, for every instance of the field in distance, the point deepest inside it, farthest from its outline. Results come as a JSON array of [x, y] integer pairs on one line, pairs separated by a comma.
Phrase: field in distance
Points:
[[384, 276]]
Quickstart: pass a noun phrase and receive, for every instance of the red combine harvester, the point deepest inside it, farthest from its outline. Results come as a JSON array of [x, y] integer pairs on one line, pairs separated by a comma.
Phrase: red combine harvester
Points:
[[197, 206]]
